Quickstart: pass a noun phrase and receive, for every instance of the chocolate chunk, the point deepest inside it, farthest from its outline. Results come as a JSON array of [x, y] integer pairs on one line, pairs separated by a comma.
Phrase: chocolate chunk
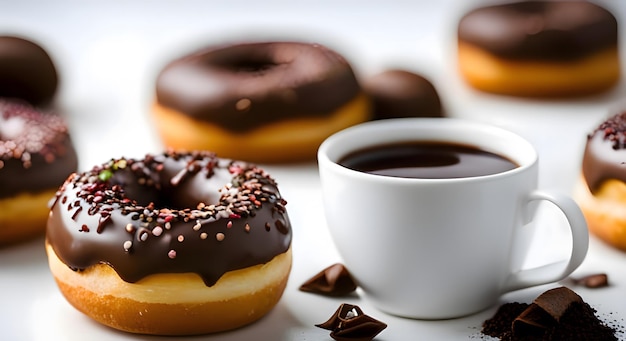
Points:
[[532, 321], [557, 314], [349, 323], [592, 281], [545, 311], [556, 301], [335, 280]]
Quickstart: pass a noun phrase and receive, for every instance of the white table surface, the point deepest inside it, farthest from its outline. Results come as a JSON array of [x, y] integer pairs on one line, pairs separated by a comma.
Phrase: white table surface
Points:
[[109, 52]]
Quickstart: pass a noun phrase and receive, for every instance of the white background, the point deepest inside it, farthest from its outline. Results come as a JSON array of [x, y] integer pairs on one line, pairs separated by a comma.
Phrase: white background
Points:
[[108, 54]]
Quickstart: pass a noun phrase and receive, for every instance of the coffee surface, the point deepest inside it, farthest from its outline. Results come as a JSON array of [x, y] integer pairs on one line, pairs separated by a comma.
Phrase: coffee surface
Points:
[[427, 160]]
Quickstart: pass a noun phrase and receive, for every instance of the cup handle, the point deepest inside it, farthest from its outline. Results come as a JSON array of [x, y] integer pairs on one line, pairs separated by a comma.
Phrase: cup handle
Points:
[[558, 270]]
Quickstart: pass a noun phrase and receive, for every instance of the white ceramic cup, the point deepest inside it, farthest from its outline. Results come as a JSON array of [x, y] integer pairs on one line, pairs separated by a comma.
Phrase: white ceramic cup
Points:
[[439, 248]]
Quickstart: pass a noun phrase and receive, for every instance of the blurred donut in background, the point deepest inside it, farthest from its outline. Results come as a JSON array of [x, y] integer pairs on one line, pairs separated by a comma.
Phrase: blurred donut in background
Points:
[[539, 48], [259, 102], [397, 93], [26, 71]]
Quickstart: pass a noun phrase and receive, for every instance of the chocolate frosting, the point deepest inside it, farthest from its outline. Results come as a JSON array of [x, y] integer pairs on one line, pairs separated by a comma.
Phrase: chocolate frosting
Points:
[[241, 87], [605, 153], [540, 30], [400, 93], [349, 323], [36, 152], [26, 71], [169, 213]]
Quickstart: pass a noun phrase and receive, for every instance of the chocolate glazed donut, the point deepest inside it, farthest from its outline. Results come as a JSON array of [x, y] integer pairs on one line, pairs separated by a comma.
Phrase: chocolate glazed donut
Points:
[[169, 213], [601, 190], [261, 102], [539, 48], [176, 243], [36, 156], [605, 153], [541, 30], [26, 71], [243, 86]]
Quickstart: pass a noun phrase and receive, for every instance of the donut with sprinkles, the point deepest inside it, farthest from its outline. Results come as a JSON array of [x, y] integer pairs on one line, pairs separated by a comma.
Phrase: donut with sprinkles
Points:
[[601, 189], [36, 156], [172, 244]]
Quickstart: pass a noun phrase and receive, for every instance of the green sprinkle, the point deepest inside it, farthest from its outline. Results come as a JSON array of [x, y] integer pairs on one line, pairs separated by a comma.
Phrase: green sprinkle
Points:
[[105, 175]]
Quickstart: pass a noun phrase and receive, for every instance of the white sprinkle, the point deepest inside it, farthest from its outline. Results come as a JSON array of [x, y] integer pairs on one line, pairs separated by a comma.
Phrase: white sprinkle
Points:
[[197, 226], [352, 313], [127, 245], [243, 104], [203, 235], [157, 231], [181, 238], [219, 236]]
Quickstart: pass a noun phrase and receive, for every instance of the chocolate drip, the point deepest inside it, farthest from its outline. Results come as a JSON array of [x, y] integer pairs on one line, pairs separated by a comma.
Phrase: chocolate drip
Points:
[[540, 30], [140, 222], [244, 86]]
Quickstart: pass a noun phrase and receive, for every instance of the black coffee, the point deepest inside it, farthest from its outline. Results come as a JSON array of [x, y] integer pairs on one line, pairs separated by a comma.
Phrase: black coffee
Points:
[[427, 160]]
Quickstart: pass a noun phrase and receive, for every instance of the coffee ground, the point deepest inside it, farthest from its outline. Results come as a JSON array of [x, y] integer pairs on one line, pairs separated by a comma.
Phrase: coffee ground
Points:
[[500, 325], [579, 322]]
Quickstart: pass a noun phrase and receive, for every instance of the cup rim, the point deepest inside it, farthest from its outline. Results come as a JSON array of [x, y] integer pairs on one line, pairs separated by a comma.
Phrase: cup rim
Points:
[[369, 129]]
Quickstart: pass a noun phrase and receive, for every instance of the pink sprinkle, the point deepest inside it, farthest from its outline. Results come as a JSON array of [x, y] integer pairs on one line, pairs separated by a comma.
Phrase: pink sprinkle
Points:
[[172, 254], [229, 224], [235, 169]]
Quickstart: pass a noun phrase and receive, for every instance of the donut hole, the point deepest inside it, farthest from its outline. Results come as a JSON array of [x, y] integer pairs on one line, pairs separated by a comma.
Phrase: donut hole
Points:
[[247, 63], [252, 66], [158, 191]]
